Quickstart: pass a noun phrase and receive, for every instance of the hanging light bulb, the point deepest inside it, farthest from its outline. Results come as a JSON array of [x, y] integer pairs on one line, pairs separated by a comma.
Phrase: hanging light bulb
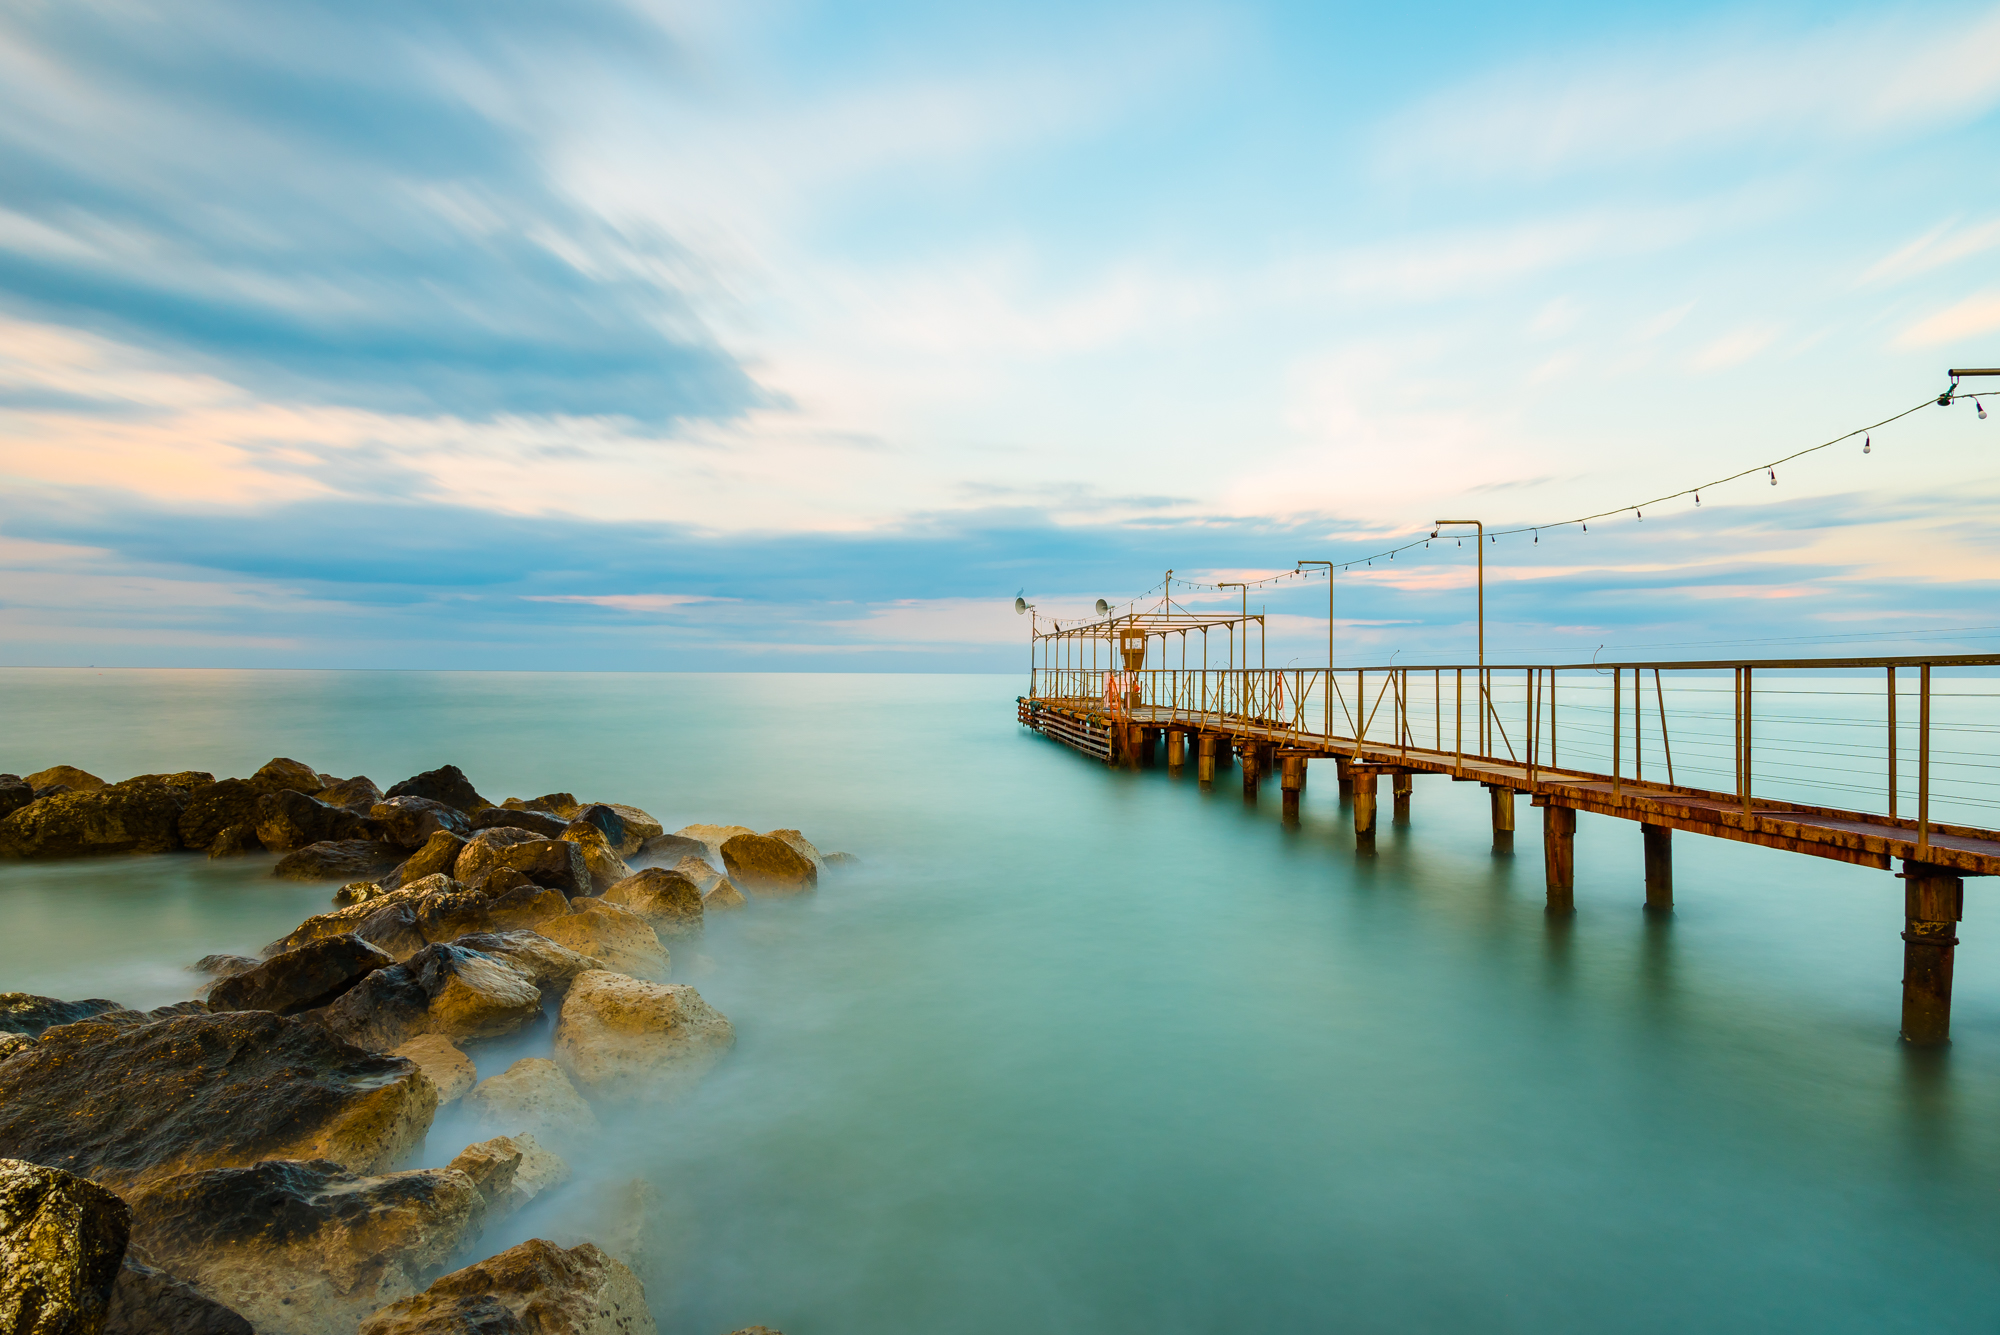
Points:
[[1697, 499], [1641, 513], [1586, 528], [1774, 476], [1866, 441], [1980, 404], [1461, 542], [1538, 537]]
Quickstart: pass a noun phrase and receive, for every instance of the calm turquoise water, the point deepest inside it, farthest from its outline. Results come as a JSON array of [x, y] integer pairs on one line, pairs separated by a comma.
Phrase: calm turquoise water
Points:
[[1087, 1051]]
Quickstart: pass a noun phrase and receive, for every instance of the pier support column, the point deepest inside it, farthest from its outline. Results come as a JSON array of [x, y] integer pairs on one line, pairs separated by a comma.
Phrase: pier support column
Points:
[[1559, 857], [1933, 902], [1399, 789], [1363, 781], [1176, 751], [1252, 769], [1292, 777], [1204, 760], [1149, 742], [1503, 817], [1343, 769], [1659, 866]]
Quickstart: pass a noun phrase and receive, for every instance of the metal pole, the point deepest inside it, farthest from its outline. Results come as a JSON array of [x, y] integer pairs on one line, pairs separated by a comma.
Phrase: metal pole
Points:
[[1892, 742], [1923, 760], [1617, 722]]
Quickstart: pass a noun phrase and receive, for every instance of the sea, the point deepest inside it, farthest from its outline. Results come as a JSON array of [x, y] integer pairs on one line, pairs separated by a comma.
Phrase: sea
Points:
[[1074, 1049]]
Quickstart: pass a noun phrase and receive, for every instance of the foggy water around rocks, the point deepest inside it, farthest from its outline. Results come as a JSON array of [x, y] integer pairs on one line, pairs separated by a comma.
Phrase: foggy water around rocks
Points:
[[1088, 1051]]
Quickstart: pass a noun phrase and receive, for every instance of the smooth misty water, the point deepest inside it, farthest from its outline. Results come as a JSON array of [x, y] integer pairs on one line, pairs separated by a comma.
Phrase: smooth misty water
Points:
[[1089, 1051]]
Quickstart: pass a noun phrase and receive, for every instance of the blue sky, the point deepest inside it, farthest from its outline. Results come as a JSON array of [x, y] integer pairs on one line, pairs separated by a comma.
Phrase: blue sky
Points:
[[640, 335]]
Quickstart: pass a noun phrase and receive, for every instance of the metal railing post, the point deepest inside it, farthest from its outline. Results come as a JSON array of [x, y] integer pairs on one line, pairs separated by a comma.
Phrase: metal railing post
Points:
[[1923, 759]]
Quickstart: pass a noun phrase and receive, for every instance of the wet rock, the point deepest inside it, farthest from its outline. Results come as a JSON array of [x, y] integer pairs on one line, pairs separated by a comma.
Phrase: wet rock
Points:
[[555, 804], [224, 966], [799, 844], [756, 1330], [667, 850], [551, 965], [405, 927], [667, 900], [698, 870], [713, 837], [613, 935], [234, 841], [337, 860], [639, 827], [539, 823], [763, 866], [621, 1038], [502, 879], [482, 852], [446, 784], [213, 808], [442, 989], [11, 1043], [439, 853], [550, 1290], [189, 781], [723, 897], [141, 818], [357, 892], [608, 823], [146, 1301], [300, 980], [173, 1011], [358, 794], [510, 1171], [288, 819], [61, 1241], [409, 821], [15, 793], [442, 1064], [556, 863], [345, 919], [605, 866], [287, 775], [305, 1247], [26, 1013], [69, 776], [533, 1096], [129, 1105]]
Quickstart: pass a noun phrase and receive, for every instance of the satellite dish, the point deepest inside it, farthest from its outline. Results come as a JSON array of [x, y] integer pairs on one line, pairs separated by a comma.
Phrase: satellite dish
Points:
[[1103, 608], [1020, 606]]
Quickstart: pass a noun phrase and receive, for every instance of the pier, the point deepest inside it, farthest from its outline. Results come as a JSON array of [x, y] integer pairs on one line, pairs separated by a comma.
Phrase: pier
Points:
[[1892, 739]]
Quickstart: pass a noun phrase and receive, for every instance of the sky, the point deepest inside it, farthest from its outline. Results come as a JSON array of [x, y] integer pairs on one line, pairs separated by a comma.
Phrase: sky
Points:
[[763, 336]]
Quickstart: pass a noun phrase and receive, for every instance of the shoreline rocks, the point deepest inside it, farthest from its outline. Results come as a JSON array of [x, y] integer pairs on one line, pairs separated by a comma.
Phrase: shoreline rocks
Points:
[[62, 1239], [619, 1037], [577, 1291], [762, 865]]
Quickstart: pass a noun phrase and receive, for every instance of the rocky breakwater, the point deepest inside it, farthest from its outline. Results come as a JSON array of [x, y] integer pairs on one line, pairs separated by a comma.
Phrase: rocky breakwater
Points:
[[243, 1162]]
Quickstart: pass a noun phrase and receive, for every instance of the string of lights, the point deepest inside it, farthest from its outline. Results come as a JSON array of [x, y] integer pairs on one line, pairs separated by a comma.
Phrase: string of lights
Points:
[[1582, 522]]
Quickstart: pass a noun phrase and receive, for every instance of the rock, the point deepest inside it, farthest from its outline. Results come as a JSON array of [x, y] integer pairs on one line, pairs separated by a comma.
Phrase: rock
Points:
[[336, 860], [756, 1330], [406, 926], [61, 1242], [76, 779], [173, 1011], [713, 837], [141, 818], [613, 935], [357, 892], [666, 899], [127, 1106], [447, 785], [321, 926], [502, 879], [11, 1043], [300, 980], [52, 790], [621, 1038], [666, 850], [556, 863], [607, 821], [761, 865], [535, 1096], [234, 841], [439, 852], [799, 844], [549, 1290], [358, 794], [146, 1301], [224, 966], [25, 1013], [442, 989], [842, 860], [442, 1064], [213, 808], [15, 793], [549, 964], [409, 821], [288, 819], [282, 775], [696, 869], [605, 866], [723, 897], [555, 804], [188, 780], [305, 1247], [639, 826], [510, 1171], [540, 823]]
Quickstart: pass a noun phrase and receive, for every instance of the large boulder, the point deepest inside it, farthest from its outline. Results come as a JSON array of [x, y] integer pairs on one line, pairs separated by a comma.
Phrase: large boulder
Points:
[[546, 1289], [282, 775], [666, 899], [337, 860], [287, 819], [801, 845], [358, 794], [26, 1013], [552, 966], [345, 919], [639, 827], [510, 1171], [765, 866], [556, 863], [406, 926], [540, 823], [215, 807], [555, 804], [667, 850], [126, 1106], [300, 980], [712, 837], [68, 776], [619, 1037], [234, 841], [409, 821], [441, 989], [613, 935], [698, 870], [447, 784], [449, 1069], [117, 818], [61, 1241], [223, 966], [604, 865], [148, 1301], [608, 822], [532, 1096], [16, 792], [305, 1247], [438, 854]]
